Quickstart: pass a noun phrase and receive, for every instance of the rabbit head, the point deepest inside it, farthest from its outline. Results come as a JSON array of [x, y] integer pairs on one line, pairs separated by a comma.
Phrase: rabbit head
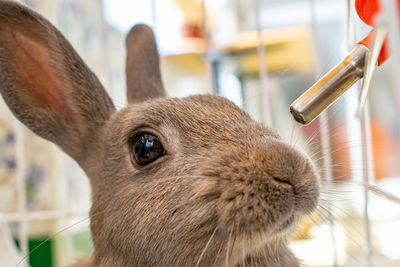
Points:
[[175, 182]]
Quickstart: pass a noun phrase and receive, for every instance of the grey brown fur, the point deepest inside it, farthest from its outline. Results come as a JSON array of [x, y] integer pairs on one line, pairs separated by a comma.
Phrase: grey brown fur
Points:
[[228, 192]]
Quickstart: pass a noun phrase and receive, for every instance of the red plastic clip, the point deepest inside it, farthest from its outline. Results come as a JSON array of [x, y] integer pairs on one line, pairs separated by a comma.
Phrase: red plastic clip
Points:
[[367, 10]]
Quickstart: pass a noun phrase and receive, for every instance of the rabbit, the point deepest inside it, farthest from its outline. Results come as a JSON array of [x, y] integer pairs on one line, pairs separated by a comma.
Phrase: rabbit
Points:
[[175, 182]]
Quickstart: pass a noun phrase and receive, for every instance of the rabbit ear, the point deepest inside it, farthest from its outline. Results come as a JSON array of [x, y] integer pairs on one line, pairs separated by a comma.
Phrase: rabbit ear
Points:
[[143, 75], [47, 85]]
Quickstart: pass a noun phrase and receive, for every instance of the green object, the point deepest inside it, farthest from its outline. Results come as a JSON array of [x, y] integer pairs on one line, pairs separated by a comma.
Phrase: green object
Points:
[[41, 256], [83, 244]]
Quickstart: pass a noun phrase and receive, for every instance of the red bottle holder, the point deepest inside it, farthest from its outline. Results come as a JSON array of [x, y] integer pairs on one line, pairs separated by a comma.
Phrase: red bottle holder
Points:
[[367, 10]]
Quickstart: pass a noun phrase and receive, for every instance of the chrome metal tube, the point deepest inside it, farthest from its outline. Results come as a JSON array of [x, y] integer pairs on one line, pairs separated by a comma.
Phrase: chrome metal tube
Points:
[[330, 87]]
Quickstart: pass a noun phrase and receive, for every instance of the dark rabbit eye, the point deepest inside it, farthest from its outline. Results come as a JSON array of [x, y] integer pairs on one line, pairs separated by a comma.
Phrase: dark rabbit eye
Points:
[[146, 148]]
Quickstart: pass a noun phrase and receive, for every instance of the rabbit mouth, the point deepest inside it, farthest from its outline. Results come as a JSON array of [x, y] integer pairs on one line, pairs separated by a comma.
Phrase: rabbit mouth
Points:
[[288, 224], [246, 244], [281, 228]]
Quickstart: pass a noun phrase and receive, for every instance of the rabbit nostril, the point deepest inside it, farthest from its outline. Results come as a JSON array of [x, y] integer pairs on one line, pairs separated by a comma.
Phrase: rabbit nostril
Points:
[[282, 181]]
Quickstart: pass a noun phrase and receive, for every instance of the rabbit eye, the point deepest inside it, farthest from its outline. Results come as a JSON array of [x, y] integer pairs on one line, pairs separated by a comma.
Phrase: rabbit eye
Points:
[[146, 148]]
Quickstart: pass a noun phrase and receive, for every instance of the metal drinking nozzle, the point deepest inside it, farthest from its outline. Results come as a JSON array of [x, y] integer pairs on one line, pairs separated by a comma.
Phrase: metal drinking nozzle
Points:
[[330, 87]]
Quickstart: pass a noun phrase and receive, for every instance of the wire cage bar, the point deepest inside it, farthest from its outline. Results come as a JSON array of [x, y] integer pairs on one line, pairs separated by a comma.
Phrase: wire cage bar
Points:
[[323, 123]]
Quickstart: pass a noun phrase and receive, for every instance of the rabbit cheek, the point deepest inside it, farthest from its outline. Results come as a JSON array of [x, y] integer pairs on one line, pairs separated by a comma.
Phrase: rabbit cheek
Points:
[[252, 205], [307, 193]]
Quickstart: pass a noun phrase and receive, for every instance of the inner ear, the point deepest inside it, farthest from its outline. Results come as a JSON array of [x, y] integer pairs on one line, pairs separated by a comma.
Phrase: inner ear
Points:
[[37, 73], [47, 86]]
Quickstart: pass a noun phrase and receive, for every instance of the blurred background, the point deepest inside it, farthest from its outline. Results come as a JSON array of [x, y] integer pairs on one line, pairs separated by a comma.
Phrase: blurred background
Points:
[[261, 54]]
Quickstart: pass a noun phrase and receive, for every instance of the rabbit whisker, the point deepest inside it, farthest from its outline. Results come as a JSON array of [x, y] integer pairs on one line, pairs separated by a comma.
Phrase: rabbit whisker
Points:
[[234, 240], [206, 246], [381, 193], [265, 256], [216, 257], [227, 249], [244, 253], [48, 239], [325, 213]]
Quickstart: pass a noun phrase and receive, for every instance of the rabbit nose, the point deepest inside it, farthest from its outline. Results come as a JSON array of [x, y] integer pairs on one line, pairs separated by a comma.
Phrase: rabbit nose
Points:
[[283, 181]]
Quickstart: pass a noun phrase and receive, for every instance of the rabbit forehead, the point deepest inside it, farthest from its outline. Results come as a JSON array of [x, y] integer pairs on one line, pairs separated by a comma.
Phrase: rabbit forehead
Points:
[[192, 117]]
